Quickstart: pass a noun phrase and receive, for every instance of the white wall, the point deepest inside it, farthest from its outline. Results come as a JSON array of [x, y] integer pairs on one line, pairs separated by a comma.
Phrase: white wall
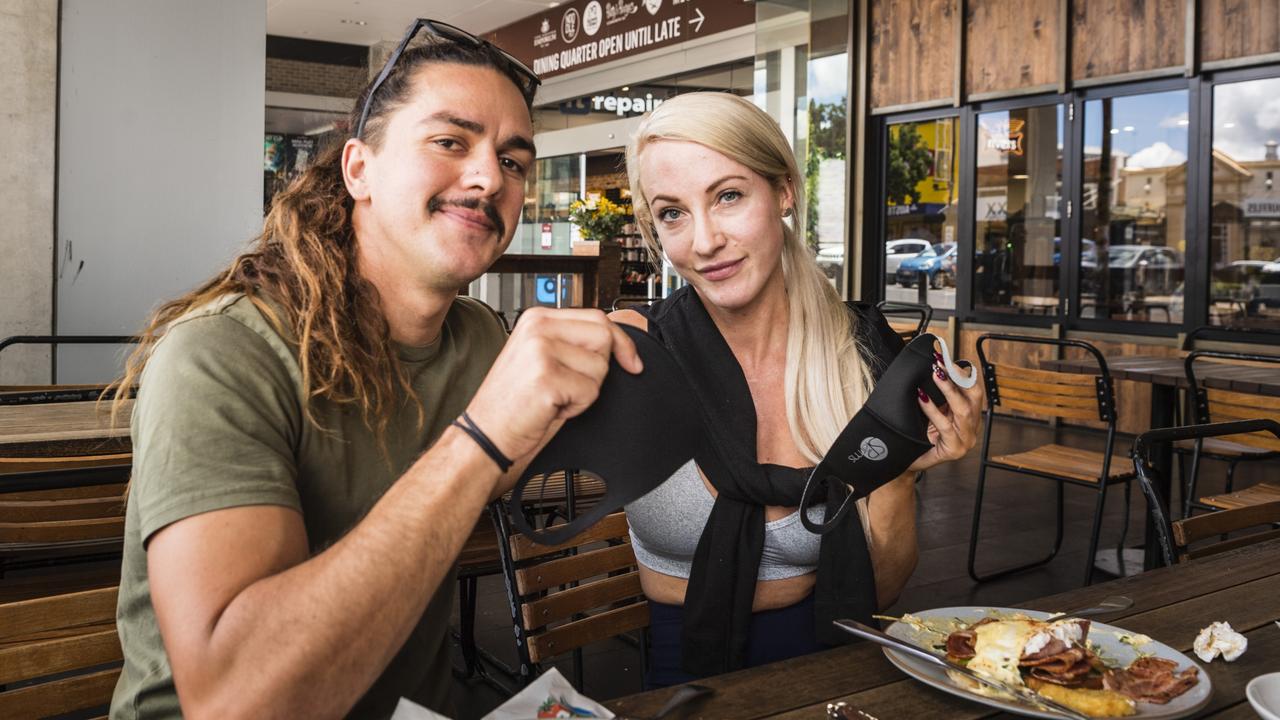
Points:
[[160, 159], [28, 101]]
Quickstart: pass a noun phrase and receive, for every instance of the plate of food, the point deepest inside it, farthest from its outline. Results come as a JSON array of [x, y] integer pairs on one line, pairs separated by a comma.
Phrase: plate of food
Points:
[[1099, 670]]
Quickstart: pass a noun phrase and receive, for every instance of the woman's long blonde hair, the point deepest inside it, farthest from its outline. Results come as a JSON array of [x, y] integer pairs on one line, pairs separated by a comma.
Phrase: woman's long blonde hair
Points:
[[827, 380]]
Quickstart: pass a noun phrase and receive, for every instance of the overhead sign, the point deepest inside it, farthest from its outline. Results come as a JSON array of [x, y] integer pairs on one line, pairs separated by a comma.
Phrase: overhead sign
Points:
[[583, 33]]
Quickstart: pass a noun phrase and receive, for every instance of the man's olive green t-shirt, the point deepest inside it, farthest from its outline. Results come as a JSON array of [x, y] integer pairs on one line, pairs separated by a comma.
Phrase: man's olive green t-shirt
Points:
[[219, 423]]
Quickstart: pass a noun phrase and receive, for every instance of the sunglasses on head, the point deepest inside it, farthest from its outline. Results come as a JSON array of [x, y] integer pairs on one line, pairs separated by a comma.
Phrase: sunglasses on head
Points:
[[524, 78]]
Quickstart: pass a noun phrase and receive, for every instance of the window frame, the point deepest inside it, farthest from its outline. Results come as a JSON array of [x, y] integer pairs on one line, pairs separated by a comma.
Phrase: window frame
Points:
[[873, 257], [1202, 113], [1073, 232]]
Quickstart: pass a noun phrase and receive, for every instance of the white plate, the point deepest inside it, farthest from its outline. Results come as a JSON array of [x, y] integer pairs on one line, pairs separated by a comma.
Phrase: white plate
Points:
[[1264, 695], [1104, 636]]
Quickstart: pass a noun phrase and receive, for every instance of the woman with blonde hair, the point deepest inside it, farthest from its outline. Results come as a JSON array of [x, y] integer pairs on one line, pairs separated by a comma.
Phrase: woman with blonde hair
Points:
[[781, 364]]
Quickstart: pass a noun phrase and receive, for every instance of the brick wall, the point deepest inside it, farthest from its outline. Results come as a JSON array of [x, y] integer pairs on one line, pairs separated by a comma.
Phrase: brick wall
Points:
[[296, 76]]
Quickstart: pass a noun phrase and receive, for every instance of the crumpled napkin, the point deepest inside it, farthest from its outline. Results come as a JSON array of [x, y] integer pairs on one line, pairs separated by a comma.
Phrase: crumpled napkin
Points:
[[1220, 639], [550, 696]]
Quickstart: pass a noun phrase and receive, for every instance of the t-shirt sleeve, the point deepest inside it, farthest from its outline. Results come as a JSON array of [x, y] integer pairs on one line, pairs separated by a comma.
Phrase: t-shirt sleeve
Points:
[[879, 342], [215, 425]]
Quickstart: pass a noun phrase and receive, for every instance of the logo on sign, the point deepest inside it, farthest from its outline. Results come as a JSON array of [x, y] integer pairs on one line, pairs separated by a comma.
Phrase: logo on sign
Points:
[[653, 6], [592, 16], [615, 12], [545, 35], [569, 25], [1008, 137]]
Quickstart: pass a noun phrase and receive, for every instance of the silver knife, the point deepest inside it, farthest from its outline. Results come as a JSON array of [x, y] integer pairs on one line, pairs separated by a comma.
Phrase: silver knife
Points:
[[1025, 694]]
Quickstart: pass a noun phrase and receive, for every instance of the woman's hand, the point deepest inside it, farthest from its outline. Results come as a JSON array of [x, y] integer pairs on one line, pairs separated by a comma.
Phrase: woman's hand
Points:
[[953, 430]]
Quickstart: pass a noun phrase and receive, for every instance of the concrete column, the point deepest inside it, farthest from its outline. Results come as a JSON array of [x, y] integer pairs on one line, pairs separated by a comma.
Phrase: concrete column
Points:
[[28, 95]]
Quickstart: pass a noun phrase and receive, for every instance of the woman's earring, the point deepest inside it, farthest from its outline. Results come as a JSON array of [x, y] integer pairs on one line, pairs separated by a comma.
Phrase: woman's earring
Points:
[[786, 213]]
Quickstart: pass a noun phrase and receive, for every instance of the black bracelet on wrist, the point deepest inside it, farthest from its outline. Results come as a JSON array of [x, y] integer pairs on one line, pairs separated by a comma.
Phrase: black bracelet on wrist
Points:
[[468, 426]]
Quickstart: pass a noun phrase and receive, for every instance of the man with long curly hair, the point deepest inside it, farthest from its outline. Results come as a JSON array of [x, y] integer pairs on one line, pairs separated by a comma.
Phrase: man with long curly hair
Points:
[[319, 427]]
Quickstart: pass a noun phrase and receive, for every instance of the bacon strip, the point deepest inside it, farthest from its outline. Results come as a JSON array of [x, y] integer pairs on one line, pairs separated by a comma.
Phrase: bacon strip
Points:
[[1151, 679]]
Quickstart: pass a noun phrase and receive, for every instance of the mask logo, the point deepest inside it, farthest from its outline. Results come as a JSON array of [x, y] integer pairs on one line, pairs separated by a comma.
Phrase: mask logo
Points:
[[653, 6], [873, 448]]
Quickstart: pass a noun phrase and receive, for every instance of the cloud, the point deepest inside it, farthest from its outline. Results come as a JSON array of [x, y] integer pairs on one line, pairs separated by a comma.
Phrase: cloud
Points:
[[1156, 155], [829, 78], [1175, 121]]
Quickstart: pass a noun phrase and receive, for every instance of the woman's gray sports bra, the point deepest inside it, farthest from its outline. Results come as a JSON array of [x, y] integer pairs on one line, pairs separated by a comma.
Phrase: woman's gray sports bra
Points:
[[667, 523]]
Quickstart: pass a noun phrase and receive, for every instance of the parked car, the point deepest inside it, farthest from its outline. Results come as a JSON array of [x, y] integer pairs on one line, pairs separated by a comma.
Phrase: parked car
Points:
[[931, 262], [1140, 269], [831, 259], [895, 251]]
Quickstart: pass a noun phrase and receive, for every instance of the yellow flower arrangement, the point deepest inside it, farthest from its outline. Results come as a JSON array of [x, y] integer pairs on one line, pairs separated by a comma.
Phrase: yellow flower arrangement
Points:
[[598, 219]]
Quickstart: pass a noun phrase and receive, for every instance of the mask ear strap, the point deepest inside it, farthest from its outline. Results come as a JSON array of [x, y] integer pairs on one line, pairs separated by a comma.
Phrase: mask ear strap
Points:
[[953, 371], [806, 498]]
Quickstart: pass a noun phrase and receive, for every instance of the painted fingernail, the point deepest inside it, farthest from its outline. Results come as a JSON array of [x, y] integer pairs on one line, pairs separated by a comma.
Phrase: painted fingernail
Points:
[[921, 394], [938, 356], [941, 375]]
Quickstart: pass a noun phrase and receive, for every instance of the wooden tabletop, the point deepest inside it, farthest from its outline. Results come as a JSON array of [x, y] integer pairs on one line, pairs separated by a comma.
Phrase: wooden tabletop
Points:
[[1170, 604], [1163, 370], [66, 428]]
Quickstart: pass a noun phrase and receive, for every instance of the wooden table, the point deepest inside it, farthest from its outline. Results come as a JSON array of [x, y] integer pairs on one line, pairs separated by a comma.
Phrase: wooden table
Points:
[[66, 428], [1170, 605], [1167, 377]]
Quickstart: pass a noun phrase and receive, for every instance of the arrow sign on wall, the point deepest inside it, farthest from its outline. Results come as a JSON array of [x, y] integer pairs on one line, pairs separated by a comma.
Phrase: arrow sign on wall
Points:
[[697, 22]]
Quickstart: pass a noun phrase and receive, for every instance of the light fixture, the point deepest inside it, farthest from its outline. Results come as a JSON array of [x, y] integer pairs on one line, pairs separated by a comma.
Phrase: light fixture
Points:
[[626, 88], [1020, 176], [1115, 131], [1228, 125], [1184, 122], [1128, 128]]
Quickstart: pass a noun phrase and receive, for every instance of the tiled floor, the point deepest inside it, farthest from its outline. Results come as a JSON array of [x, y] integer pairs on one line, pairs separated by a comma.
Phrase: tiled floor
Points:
[[1017, 525]]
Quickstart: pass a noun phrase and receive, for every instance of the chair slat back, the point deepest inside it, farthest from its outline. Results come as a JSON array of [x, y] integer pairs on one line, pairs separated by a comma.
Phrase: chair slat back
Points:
[[578, 592], [63, 531], [1199, 527], [116, 490], [24, 511], [1046, 393], [72, 462], [58, 635], [1225, 405]]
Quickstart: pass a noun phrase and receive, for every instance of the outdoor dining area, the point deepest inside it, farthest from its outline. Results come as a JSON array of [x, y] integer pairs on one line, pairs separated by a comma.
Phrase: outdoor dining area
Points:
[[1043, 515]]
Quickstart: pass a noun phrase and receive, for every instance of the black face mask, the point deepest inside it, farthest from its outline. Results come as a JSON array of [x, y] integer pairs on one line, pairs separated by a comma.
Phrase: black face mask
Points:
[[886, 435], [657, 405], [644, 427]]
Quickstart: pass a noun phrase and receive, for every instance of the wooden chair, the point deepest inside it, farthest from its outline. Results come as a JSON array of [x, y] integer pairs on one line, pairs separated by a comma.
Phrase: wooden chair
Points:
[[1177, 538], [75, 513], [1056, 395], [1209, 405], [925, 313], [59, 654], [563, 597], [480, 557]]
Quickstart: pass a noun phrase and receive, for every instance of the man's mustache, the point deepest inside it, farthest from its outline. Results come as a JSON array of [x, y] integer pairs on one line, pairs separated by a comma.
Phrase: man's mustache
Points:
[[435, 204]]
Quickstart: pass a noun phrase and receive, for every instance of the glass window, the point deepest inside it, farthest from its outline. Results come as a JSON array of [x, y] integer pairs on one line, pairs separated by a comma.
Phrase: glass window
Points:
[[921, 202], [1018, 213], [1245, 205], [1133, 226]]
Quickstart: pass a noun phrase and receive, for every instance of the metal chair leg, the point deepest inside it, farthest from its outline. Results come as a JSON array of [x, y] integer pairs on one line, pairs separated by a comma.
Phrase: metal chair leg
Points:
[[973, 536], [1231, 476], [1189, 498], [1094, 535], [1124, 524], [467, 628]]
